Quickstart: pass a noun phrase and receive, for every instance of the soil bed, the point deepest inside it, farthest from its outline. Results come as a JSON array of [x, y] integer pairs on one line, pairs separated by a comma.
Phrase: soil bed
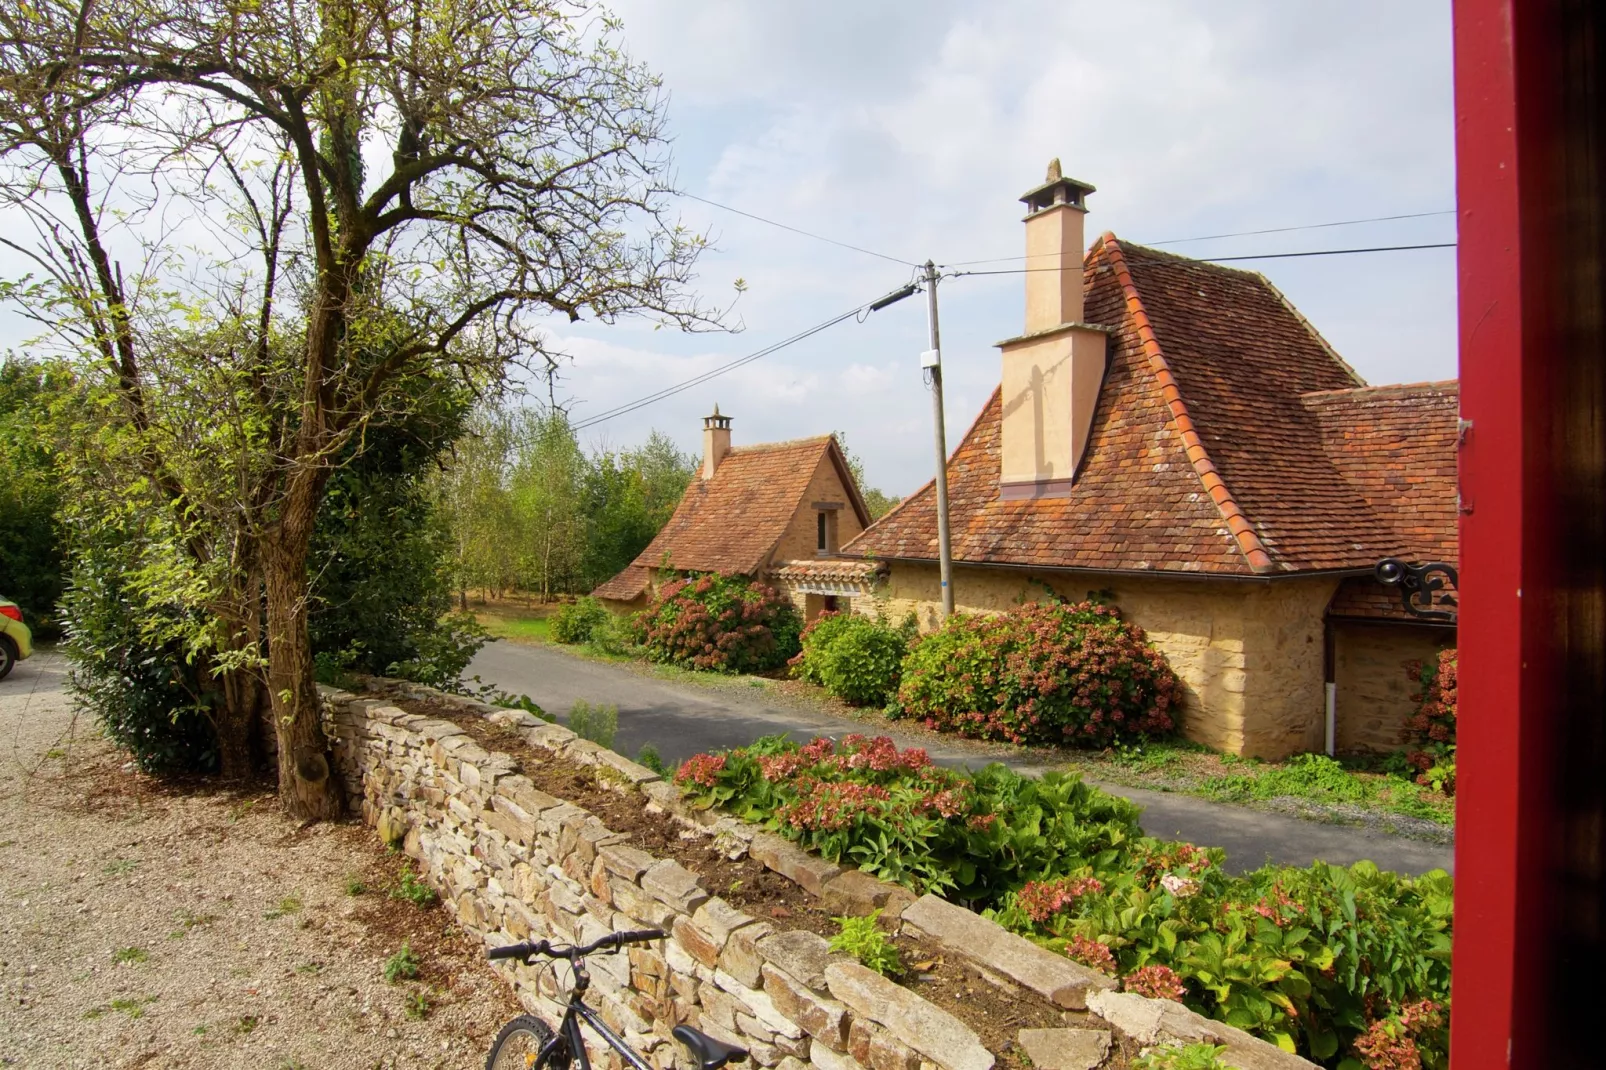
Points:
[[995, 1008]]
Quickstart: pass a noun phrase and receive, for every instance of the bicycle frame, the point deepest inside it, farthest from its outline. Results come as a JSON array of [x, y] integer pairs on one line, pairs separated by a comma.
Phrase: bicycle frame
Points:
[[568, 1031]]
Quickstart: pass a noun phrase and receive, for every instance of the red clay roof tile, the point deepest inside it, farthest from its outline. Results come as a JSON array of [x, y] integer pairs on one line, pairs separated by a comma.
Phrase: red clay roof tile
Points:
[[1228, 438]]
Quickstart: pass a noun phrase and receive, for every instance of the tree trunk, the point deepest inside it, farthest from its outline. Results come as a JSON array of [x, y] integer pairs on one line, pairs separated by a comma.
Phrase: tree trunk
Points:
[[308, 789]]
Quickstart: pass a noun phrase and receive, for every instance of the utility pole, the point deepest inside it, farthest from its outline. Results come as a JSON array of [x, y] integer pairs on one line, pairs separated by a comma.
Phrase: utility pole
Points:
[[931, 361]]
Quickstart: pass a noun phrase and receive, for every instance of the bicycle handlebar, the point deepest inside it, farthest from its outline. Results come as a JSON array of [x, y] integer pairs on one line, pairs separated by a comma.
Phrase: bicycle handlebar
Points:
[[611, 943]]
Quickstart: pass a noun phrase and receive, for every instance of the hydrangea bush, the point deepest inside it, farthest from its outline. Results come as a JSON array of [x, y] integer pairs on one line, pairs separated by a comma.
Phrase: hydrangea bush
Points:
[[720, 624], [1049, 673], [1349, 967], [1431, 730]]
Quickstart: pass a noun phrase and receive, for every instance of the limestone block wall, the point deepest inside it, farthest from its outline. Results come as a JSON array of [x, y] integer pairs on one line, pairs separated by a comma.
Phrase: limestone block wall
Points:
[[1374, 690], [513, 862], [1249, 654], [801, 539]]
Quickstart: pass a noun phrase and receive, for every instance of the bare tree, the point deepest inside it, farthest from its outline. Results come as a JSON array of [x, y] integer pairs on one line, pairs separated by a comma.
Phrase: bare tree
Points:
[[440, 174]]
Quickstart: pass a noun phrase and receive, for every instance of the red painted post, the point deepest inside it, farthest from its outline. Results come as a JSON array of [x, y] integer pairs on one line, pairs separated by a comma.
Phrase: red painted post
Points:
[[1503, 123]]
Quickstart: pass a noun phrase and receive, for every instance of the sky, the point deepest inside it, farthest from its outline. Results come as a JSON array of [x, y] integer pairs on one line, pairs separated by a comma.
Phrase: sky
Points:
[[911, 129]]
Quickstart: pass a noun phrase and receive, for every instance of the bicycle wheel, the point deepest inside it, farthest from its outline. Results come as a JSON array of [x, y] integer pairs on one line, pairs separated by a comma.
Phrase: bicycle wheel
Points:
[[519, 1044]]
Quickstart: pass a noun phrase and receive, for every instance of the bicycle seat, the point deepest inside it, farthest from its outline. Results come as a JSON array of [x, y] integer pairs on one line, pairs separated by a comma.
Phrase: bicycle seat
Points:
[[710, 1054]]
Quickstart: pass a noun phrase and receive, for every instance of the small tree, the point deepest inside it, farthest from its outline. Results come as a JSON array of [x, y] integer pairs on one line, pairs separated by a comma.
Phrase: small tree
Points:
[[397, 187]]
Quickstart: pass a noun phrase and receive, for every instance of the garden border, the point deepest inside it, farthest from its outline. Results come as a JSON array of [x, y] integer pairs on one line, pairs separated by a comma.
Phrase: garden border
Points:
[[511, 861]]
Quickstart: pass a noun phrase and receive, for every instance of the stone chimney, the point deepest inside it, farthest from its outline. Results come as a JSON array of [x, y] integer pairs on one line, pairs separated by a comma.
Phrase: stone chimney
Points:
[[1053, 370], [716, 441]]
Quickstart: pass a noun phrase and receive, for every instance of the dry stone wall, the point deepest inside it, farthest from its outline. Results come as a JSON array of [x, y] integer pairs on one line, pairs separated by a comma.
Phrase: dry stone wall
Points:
[[513, 863]]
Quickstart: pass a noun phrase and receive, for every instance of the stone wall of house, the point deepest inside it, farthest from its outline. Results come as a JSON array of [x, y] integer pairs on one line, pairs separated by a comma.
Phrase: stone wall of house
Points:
[[801, 540], [1374, 689], [1285, 700], [513, 863], [1249, 654]]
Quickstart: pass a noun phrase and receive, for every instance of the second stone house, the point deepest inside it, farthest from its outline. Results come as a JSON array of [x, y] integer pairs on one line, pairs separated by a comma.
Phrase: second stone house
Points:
[[756, 511], [1175, 436]]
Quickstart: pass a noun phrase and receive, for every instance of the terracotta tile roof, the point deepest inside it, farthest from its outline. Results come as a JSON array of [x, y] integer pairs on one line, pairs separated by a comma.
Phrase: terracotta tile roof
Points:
[[732, 522], [1204, 454], [630, 584], [1396, 447], [829, 570]]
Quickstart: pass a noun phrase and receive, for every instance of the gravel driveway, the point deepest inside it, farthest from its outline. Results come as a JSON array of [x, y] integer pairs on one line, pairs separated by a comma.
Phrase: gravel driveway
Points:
[[142, 926]]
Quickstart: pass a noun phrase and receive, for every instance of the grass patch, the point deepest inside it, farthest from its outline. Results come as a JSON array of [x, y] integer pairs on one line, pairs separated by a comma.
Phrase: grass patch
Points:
[[1370, 783], [187, 920], [290, 904], [130, 956], [521, 627], [120, 868], [131, 1007], [244, 1025], [354, 885]]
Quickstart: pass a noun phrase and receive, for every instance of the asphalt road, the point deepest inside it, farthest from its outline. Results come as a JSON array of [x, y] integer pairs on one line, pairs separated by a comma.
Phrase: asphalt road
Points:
[[685, 719]]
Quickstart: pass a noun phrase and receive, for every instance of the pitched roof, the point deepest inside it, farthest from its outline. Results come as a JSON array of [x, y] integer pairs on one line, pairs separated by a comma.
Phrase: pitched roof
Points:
[[1204, 455], [631, 583], [829, 570], [732, 522]]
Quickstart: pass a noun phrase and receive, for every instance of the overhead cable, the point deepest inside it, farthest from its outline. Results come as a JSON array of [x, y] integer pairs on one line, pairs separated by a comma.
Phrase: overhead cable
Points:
[[1255, 256], [1240, 234], [687, 384], [805, 233]]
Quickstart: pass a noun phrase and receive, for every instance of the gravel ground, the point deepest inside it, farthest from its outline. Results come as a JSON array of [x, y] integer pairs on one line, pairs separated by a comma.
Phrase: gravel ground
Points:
[[146, 926]]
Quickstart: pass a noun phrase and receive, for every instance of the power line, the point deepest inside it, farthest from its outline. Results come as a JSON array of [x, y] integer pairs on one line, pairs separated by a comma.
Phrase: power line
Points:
[[805, 233], [1256, 256], [670, 391], [1242, 234]]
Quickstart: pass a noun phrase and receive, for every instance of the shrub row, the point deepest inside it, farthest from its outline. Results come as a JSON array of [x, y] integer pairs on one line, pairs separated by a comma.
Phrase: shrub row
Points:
[[1347, 966]]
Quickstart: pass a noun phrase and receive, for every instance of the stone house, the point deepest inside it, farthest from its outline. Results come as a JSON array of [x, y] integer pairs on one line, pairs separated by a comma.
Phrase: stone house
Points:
[[752, 511], [1175, 435]]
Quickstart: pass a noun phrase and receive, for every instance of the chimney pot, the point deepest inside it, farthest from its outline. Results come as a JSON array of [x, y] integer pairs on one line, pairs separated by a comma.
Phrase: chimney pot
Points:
[[716, 440]]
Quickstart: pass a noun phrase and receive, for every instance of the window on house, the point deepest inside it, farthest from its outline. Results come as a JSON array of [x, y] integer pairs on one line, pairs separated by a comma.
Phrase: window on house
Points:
[[819, 523]]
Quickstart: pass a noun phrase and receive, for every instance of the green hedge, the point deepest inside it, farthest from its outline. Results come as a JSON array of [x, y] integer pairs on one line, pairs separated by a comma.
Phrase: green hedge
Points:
[[1338, 964], [575, 622], [855, 658], [1043, 673]]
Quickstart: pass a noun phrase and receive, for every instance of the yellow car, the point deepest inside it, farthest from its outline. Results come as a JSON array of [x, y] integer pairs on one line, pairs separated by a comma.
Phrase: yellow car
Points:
[[16, 641]]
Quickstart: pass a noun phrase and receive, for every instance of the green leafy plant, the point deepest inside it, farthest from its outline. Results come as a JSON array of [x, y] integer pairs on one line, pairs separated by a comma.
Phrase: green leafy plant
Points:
[[648, 756], [417, 1005], [720, 624], [403, 965], [1043, 673], [1310, 776], [856, 658], [1185, 1057], [1305, 958], [864, 802], [414, 890], [863, 939], [354, 885], [127, 956], [575, 622], [599, 724]]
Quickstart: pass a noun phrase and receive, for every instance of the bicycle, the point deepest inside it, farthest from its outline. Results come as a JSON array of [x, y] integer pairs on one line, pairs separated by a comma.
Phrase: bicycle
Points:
[[528, 1043]]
